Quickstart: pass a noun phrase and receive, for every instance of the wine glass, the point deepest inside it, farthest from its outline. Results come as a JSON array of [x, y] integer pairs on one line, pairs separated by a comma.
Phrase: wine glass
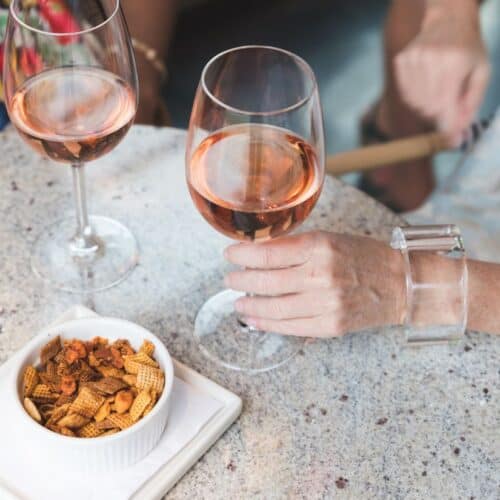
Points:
[[71, 91], [255, 168]]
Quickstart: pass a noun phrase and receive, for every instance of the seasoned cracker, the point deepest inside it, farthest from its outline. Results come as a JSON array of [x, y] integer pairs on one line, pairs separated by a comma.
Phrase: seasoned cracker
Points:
[[89, 431], [58, 413], [124, 347], [30, 380], [148, 348], [87, 403], [109, 385], [143, 359], [110, 432], [122, 421], [43, 394], [63, 399], [130, 379], [50, 350], [131, 367], [150, 378], [103, 412], [110, 371], [140, 403], [152, 403], [106, 425], [66, 432]]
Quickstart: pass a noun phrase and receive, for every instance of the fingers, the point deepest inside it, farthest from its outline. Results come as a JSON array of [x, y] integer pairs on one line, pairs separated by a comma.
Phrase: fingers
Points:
[[429, 82], [293, 306], [303, 327], [280, 253], [275, 282], [471, 99], [476, 88], [441, 83], [466, 105], [448, 123]]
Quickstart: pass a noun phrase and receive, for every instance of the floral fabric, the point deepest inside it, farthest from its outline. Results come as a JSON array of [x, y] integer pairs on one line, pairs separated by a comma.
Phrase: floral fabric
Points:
[[48, 15]]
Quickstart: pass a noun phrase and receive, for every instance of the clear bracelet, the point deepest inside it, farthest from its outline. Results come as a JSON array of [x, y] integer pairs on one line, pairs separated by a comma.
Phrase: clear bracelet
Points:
[[436, 292]]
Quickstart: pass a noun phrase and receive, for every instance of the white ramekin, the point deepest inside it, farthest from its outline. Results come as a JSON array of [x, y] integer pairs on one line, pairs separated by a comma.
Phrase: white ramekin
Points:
[[101, 454]]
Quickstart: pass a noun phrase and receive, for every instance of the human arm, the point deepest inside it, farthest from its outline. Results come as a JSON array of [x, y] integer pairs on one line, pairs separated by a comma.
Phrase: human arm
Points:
[[325, 284], [444, 71], [151, 23]]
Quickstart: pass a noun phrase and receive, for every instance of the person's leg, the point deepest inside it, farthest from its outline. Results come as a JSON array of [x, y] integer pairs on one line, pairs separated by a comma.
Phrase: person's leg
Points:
[[404, 186]]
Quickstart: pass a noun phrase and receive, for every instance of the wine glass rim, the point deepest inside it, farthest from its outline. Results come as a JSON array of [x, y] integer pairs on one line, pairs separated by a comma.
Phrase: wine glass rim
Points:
[[66, 33], [302, 62]]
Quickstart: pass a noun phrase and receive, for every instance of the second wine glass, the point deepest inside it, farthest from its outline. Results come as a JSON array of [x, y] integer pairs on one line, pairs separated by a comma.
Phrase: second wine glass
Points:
[[255, 168], [71, 91]]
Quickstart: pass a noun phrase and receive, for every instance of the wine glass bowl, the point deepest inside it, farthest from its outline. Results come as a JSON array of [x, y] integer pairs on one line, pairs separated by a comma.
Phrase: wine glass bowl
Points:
[[255, 168], [71, 91]]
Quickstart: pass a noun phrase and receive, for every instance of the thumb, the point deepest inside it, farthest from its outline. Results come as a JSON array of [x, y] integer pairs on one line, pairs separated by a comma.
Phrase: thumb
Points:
[[471, 99], [450, 125], [475, 89]]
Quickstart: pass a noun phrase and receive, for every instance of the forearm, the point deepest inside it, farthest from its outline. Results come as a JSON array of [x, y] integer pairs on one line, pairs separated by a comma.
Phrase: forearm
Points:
[[150, 23], [484, 297], [483, 292], [467, 10]]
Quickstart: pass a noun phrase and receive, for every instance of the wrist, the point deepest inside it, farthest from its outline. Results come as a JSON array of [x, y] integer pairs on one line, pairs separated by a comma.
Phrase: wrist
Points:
[[398, 290], [465, 10], [436, 282]]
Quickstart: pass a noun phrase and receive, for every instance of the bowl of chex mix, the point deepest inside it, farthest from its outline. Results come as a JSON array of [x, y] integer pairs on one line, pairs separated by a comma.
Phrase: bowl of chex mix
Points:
[[93, 394]]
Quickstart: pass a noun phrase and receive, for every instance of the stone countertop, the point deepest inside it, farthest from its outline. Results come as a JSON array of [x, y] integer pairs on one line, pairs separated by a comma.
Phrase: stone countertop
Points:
[[358, 417]]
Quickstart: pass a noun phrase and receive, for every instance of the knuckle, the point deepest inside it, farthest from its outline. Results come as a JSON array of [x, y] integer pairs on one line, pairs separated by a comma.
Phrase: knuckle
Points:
[[329, 279], [336, 325], [319, 277], [306, 248], [321, 239], [276, 309], [339, 298], [267, 256], [263, 283]]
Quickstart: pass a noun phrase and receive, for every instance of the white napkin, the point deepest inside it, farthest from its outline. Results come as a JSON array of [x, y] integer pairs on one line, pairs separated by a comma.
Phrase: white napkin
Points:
[[190, 411]]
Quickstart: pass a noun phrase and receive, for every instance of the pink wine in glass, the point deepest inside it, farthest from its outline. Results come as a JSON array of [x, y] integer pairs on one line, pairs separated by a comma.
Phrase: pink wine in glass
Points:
[[254, 182], [73, 114]]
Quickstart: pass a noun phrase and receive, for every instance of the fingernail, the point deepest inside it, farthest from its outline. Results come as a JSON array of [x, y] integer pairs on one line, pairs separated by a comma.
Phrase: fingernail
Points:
[[227, 281], [248, 321], [239, 306]]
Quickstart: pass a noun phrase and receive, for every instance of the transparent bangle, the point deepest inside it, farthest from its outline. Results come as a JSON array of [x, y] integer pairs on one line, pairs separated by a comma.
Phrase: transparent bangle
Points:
[[436, 293]]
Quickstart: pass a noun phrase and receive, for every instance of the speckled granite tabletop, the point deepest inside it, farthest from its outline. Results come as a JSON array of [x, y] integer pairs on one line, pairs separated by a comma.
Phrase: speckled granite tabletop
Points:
[[359, 417]]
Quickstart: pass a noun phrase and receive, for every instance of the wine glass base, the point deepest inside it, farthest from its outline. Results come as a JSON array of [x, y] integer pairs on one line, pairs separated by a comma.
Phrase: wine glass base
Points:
[[223, 339], [53, 261]]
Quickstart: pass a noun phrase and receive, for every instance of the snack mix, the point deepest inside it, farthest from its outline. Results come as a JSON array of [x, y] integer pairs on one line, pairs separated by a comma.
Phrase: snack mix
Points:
[[92, 389]]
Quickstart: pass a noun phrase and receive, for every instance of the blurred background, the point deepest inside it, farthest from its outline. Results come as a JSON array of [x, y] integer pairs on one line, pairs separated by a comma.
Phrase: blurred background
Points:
[[342, 40]]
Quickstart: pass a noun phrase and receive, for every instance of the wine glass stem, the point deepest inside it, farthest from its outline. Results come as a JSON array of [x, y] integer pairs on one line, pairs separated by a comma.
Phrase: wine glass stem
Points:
[[84, 244]]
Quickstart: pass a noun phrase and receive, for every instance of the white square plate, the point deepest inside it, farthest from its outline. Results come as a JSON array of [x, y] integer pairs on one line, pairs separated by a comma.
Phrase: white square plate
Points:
[[169, 473]]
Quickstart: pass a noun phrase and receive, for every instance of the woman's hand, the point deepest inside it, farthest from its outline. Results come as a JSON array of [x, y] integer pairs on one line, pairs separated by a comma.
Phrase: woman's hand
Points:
[[443, 73], [318, 284]]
